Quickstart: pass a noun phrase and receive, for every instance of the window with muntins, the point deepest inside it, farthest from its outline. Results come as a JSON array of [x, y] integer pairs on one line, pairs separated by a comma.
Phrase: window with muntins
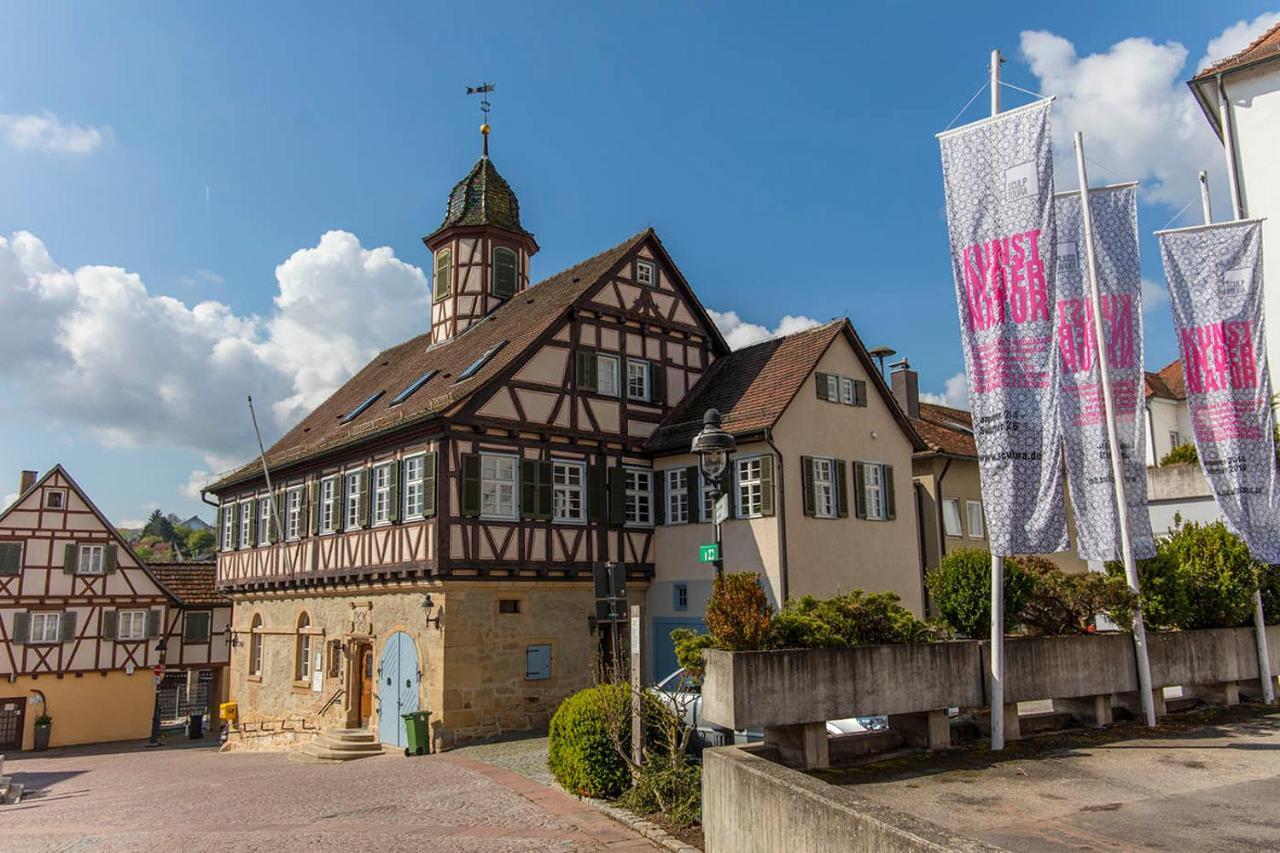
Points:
[[354, 490], [498, 486], [846, 391], [382, 494], [302, 664], [90, 559], [293, 513], [444, 273], [246, 524], [568, 498], [637, 379], [131, 625], [680, 597], [328, 505], [228, 523], [976, 526], [677, 497], [873, 482], [639, 496], [255, 646], [607, 375], [645, 273], [951, 516], [45, 628], [750, 487], [708, 505], [414, 473], [264, 521], [824, 488]]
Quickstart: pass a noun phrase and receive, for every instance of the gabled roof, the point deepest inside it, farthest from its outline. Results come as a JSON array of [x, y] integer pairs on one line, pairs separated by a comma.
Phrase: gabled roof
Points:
[[753, 386], [1264, 48], [191, 584], [946, 431], [1167, 383], [483, 197]]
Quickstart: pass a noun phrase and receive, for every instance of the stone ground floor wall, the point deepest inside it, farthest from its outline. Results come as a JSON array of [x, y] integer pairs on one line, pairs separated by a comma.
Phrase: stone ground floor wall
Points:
[[474, 665], [88, 707]]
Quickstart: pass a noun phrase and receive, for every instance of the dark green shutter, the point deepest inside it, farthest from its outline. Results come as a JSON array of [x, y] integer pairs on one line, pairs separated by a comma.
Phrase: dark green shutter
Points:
[[393, 490], [695, 493], [820, 383], [235, 526], [766, 485], [657, 383], [68, 625], [312, 509], [546, 508], [110, 621], [842, 488], [69, 558], [806, 486], [617, 496], [366, 493], [10, 558], [859, 392], [890, 510], [860, 489], [217, 546], [597, 496], [21, 628], [659, 480], [470, 485], [429, 484], [504, 272], [153, 624], [110, 559], [587, 371], [529, 488]]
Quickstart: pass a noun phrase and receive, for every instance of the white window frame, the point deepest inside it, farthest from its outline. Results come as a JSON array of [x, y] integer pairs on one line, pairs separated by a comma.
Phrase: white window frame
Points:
[[61, 496], [824, 487], [415, 489], [293, 513], [352, 495], [1175, 439], [494, 485], [646, 273], [564, 491], [873, 487], [380, 494], [133, 620], [677, 496], [302, 664], [329, 504], [643, 375], [90, 559], [46, 619], [977, 526], [607, 367], [706, 509], [753, 486], [638, 503], [264, 521], [846, 390], [951, 505], [228, 526], [246, 523], [833, 387]]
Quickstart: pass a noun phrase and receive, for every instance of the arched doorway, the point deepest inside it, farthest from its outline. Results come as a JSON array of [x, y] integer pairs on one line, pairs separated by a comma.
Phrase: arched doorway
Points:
[[397, 687]]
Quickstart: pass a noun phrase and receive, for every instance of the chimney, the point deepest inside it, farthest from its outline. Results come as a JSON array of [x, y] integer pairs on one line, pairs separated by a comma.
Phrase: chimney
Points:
[[906, 387], [26, 482]]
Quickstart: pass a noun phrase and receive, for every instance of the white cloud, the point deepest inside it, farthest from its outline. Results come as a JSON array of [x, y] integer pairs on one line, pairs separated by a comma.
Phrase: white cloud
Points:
[[8, 501], [1154, 296], [1236, 38], [738, 333], [46, 132], [131, 523], [97, 350], [956, 394], [195, 484]]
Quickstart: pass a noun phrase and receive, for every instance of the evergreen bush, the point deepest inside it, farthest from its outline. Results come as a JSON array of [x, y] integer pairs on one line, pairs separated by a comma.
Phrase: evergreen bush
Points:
[[960, 592], [1070, 603], [580, 752]]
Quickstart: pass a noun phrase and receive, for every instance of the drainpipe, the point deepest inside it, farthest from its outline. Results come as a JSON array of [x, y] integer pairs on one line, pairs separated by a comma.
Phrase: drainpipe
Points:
[[784, 583], [942, 524], [1229, 142]]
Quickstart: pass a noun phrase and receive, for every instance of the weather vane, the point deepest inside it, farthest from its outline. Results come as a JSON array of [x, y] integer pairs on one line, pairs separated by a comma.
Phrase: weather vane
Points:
[[483, 91]]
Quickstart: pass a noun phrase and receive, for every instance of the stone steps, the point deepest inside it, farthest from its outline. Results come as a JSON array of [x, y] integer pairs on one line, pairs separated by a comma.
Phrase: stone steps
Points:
[[338, 745]]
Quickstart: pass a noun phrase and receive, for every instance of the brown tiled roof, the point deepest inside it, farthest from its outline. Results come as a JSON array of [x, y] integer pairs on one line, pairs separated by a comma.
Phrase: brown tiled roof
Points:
[[191, 583], [1167, 382], [1264, 46], [946, 430], [519, 322]]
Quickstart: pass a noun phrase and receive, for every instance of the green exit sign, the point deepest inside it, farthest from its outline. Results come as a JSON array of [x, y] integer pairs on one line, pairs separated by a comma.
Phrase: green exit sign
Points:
[[708, 553]]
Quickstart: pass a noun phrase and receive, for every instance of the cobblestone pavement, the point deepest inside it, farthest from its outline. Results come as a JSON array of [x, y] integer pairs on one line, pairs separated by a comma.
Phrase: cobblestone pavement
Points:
[[130, 798], [526, 756]]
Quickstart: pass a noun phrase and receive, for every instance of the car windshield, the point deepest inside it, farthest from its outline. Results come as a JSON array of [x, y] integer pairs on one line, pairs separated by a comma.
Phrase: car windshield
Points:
[[680, 682]]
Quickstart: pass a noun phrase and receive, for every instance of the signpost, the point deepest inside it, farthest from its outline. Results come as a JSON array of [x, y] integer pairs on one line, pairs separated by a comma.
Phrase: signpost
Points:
[[720, 512], [637, 690], [158, 672], [709, 553]]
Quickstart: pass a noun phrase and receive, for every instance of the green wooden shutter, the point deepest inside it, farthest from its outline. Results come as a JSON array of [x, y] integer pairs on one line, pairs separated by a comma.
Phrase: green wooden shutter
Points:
[[110, 621], [393, 491], [470, 485], [597, 496], [546, 489], [657, 383], [429, 484], [695, 493], [617, 496], [68, 625], [860, 489], [890, 508], [366, 505], [820, 383], [217, 526], [69, 558], [766, 485], [859, 392], [587, 371], [659, 497], [842, 488], [153, 624], [110, 559], [528, 488], [312, 509], [10, 558], [806, 486], [444, 260], [504, 272], [21, 628]]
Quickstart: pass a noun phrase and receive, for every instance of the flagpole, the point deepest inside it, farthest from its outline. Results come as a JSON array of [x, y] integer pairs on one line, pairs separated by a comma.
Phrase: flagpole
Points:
[[997, 560], [1204, 197], [1113, 442], [271, 495]]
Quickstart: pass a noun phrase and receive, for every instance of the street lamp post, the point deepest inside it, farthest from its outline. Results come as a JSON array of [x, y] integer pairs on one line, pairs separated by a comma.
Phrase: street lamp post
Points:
[[155, 708], [714, 445]]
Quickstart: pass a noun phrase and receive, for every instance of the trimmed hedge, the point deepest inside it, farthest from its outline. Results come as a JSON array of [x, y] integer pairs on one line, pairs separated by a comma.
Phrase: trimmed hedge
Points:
[[960, 592], [580, 754]]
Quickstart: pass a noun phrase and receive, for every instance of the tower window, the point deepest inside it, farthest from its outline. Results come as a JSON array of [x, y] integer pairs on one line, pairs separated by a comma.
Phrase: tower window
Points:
[[444, 273], [504, 272]]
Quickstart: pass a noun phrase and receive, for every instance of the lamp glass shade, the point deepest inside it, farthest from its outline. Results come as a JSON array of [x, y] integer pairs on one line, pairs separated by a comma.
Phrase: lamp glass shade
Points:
[[714, 462]]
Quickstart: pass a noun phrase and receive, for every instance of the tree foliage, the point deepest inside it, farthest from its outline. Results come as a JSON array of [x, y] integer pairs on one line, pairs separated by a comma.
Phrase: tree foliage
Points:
[[960, 592], [739, 615], [1183, 454], [1070, 603]]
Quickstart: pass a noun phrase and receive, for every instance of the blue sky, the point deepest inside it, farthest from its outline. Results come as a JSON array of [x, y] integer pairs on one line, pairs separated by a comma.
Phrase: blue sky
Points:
[[786, 157]]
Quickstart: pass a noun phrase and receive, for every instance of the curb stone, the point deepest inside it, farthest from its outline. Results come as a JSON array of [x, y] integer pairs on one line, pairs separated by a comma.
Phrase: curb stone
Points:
[[647, 828]]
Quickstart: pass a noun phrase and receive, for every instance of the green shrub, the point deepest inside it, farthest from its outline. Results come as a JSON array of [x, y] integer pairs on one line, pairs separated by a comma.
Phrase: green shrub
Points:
[[1183, 454], [960, 591], [738, 613], [676, 792], [854, 619], [580, 751], [1202, 576], [1069, 603], [689, 645], [1270, 586]]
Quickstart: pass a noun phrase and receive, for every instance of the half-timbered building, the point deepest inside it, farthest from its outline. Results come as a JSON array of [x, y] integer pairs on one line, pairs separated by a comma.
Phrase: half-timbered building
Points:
[[197, 633], [440, 515]]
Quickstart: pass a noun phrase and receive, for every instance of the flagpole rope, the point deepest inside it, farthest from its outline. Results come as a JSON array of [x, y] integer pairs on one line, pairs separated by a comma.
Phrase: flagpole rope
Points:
[[1024, 91], [1177, 215], [981, 89]]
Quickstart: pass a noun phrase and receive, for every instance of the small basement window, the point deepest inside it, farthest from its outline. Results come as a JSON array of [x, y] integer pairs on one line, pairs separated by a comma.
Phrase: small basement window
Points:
[[475, 366], [413, 386], [355, 413], [508, 605]]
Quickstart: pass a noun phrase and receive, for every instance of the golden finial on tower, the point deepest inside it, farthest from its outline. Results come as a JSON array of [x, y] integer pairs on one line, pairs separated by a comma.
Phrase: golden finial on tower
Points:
[[483, 91]]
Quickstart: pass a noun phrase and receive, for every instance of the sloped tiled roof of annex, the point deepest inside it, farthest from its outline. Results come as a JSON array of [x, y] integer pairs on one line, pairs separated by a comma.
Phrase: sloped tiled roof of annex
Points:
[[1264, 46], [1167, 382], [753, 386], [519, 322], [946, 430], [192, 584]]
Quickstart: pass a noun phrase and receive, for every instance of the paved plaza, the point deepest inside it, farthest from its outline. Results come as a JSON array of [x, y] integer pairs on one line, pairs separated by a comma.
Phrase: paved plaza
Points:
[[125, 797]]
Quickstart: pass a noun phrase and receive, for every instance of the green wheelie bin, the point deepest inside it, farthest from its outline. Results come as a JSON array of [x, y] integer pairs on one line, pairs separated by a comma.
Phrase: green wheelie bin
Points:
[[417, 733]]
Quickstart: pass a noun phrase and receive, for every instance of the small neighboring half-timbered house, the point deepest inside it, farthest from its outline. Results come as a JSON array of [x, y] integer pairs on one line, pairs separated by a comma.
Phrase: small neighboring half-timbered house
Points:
[[80, 618], [197, 637]]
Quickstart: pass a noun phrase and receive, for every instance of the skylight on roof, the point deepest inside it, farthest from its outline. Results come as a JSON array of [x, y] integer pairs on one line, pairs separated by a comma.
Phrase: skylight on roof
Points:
[[480, 362], [413, 386], [355, 413]]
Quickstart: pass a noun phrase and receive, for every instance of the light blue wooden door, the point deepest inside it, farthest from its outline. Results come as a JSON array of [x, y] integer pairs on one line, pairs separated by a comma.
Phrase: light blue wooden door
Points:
[[397, 687]]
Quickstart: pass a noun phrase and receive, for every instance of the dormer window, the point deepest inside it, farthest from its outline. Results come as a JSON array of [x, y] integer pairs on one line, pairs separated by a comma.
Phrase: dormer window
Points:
[[646, 274], [444, 273], [504, 272]]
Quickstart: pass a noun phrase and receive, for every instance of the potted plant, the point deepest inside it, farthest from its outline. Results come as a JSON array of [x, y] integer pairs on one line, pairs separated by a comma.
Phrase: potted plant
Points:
[[44, 728]]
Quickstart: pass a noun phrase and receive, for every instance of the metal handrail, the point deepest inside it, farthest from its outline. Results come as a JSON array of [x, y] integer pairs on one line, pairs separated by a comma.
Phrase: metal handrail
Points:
[[329, 703]]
